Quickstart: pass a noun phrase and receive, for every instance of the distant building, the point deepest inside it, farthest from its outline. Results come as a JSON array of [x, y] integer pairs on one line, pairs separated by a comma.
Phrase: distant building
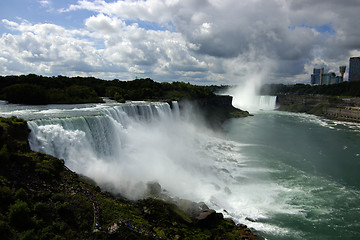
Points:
[[319, 77], [342, 72], [316, 76], [329, 78], [354, 69]]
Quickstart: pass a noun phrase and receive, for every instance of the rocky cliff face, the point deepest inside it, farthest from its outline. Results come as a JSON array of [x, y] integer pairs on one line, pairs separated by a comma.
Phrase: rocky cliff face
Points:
[[216, 109], [306, 100], [347, 109]]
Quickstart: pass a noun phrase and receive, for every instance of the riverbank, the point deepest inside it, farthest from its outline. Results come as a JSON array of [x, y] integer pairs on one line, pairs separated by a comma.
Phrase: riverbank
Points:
[[41, 199], [337, 108]]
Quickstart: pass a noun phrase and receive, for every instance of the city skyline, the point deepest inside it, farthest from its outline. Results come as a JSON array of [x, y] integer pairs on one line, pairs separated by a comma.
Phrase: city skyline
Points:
[[202, 42]]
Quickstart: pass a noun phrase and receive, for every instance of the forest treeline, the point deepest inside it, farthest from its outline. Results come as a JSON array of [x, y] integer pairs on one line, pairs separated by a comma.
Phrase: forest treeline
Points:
[[35, 89], [345, 89]]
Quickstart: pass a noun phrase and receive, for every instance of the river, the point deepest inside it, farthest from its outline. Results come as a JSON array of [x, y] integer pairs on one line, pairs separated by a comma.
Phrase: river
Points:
[[312, 166], [287, 175]]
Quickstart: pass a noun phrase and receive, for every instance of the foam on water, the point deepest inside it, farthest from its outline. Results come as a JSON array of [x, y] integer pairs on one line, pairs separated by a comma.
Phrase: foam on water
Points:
[[314, 162], [123, 146], [323, 122]]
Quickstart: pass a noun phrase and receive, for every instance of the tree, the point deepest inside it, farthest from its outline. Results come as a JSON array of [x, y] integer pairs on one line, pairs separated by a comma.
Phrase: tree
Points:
[[19, 215], [25, 94]]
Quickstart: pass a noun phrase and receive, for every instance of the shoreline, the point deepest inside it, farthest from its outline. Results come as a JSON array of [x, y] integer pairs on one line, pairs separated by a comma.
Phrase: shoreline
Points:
[[335, 108]]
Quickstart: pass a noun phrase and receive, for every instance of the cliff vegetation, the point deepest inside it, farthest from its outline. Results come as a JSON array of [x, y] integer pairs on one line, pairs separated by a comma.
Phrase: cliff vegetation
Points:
[[40, 199], [344, 89]]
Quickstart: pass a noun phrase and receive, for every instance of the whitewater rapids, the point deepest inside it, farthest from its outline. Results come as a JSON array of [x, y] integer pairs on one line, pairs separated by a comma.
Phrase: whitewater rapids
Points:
[[274, 171]]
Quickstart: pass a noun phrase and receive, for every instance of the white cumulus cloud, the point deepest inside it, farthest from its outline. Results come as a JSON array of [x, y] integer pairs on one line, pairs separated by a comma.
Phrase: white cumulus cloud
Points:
[[206, 41]]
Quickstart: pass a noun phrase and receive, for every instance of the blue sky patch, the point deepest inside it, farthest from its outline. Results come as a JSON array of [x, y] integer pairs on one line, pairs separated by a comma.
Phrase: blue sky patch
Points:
[[326, 29], [152, 25]]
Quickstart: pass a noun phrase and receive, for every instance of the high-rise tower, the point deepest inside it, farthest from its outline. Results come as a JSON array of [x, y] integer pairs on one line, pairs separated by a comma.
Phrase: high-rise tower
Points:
[[354, 69], [342, 71], [316, 77]]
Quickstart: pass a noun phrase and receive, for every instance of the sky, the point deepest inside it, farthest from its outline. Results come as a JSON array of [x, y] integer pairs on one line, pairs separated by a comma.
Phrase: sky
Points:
[[198, 41]]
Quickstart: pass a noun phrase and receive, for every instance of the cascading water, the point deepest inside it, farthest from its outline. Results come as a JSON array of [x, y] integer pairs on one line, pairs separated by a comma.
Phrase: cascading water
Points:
[[265, 102], [247, 98], [124, 146], [280, 173], [256, 103], [121, 146]]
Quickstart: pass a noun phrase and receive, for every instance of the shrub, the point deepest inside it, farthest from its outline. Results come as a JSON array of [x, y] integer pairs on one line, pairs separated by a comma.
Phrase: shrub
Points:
[[5, 231], [22, 195], [80, 94], [19, 215], [25, 94], [28, 235], [5, 197], [43, 210], [4, 154]]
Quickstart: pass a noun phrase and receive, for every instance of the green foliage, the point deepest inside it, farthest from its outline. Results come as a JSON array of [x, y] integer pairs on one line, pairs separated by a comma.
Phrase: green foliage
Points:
[[181, 90], [43, 210], [349, 89], [115, 93], [66, 212], [57, 95], [147, 89], [81, 94], [5, 231], [28, 235], [33, 89], [25, 93], [58, 197], [317, 110], [49, 168], [4, 154], [13, 134], [22, 195], [6, 197], [19, 215]]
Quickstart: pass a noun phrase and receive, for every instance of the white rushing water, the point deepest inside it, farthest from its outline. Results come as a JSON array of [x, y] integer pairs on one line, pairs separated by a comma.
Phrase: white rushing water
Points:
[[124, 146], [247, 97], [259, 172], [255, 103]]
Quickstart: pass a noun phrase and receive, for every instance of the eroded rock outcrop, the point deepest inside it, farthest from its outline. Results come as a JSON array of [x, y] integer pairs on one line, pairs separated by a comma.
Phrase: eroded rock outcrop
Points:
[[215, 109]]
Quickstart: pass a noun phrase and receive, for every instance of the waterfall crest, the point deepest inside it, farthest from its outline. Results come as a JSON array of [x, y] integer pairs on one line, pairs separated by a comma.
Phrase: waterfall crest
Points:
[[255, 103], [123, 146], [100, 135], [265, 102]]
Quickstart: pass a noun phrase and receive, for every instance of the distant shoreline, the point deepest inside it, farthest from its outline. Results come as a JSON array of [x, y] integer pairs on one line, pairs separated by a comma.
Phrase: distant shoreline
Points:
[[331, 107]]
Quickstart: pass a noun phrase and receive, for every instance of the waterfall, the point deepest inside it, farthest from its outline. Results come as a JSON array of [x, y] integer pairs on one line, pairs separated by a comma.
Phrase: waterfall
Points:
[[102, 132], [265, 102], [123, 146], [255, 103]]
